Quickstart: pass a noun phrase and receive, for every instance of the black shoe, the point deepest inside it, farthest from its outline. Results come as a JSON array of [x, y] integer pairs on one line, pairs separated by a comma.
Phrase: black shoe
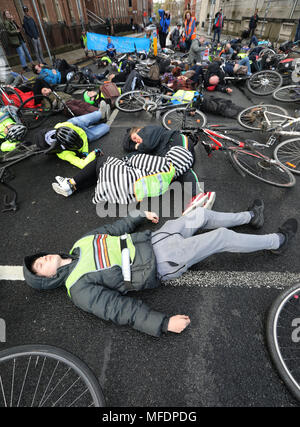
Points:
[[257, 208], [26, 69], [289, 230]]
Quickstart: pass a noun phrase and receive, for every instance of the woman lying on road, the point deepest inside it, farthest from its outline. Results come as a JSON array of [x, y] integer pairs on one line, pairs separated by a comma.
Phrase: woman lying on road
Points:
[[99, 281]]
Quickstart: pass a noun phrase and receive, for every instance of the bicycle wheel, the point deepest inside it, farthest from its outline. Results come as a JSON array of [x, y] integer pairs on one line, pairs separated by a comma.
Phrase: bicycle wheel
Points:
[[43, 376], [289, 93], [12, 96], [262, 117], [133, 101], [34, 116], [283, 337], [287, 153], [79, 78], [182, 118], [264, 82], [262, 168]]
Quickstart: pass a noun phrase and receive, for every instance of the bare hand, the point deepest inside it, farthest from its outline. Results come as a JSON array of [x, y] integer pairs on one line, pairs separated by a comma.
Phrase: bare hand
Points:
[[152, 216], [228, 90], [178, 323]]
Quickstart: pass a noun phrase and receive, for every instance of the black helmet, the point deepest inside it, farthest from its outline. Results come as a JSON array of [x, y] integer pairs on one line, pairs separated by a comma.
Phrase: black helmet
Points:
[[69, 139], [16, 132]]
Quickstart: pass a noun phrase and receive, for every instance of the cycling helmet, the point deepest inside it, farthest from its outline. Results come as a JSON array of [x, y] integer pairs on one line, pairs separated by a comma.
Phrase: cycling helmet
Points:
[[69, 139], [87, 98], [16, 132]]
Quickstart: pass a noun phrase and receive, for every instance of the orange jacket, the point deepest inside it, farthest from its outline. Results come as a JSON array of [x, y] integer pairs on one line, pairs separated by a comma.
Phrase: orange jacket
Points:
[[190, 29]]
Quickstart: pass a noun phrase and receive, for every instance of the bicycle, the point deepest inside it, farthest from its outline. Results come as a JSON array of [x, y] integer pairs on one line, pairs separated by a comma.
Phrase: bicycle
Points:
[[156, 103], [34, 111], [44, 376], [290, 93], [244, 157], [283, 337]]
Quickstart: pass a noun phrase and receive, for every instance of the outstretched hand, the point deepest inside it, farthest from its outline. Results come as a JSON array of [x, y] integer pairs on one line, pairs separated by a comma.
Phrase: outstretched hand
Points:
[[178, 323], [152, 216]]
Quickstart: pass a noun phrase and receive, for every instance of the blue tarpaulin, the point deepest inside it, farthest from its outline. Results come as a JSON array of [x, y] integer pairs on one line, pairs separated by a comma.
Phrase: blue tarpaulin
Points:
[[122, 44]]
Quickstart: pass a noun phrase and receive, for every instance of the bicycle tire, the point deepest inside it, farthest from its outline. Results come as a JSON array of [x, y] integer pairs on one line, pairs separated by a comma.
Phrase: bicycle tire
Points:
[[290, 93], [262, 168], [173, 119], [34, 117], [54, 355], [287, 153], [282, 342], [10, 91], [267, 80], [253, 118], [132, 102]]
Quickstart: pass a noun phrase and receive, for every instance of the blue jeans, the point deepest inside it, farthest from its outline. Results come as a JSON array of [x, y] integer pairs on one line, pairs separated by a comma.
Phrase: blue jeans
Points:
[[253, 40], [246, 61], [87, 123], [23, 52]]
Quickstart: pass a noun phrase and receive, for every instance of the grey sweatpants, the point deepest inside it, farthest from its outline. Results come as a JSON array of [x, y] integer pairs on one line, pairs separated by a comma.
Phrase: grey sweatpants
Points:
[[176, 247]]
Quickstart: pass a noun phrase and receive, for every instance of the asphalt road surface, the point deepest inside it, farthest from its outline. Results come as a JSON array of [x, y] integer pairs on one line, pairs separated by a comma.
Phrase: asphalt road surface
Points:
[[222, 358]]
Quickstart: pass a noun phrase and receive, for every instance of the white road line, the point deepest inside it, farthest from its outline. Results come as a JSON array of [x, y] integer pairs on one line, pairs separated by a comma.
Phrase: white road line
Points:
[[112, 117], [203, 279]]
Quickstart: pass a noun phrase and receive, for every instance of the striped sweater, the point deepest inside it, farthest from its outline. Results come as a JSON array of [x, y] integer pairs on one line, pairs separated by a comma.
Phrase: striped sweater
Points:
[[117, 177]]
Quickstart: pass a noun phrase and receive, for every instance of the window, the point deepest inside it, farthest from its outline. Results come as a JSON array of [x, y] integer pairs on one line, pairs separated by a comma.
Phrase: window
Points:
[[43, 10], [58, 11], [129, 3]]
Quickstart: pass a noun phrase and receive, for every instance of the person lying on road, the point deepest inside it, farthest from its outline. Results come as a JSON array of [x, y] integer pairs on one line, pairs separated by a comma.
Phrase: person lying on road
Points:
[[105, 265]]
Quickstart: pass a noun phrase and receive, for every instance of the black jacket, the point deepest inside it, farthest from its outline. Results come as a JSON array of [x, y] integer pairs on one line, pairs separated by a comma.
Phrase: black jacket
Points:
[[30, 27], [103, 292]]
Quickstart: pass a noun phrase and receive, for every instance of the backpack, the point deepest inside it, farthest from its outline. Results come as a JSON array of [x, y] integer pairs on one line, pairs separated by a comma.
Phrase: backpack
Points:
[[110, 92], [164, 64], [154, 72], [133, 82]]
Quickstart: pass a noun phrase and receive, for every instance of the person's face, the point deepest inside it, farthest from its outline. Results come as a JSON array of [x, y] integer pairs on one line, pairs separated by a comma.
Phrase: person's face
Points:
[[108, 40], [188, 16], [46, 91], [8, 14], [92, 94], [38, 68], [136, 138], [47, 265]]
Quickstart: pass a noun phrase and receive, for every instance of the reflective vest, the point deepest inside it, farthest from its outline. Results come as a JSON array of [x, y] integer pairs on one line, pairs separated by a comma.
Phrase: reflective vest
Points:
[[190, 28], [97, 252], [153, 185], [184, 96]]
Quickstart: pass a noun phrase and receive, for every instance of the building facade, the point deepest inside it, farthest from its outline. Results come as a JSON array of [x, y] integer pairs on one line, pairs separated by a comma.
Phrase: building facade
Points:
[[63, 20]]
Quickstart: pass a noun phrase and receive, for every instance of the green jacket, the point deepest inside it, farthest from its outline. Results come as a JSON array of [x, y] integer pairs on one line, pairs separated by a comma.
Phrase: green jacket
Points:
[[70, 156], [103, 291], [13, 35]]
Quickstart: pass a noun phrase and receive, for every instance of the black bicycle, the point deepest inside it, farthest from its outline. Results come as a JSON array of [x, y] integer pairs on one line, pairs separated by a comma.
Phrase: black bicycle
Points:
[[46, 376], [283, 337]]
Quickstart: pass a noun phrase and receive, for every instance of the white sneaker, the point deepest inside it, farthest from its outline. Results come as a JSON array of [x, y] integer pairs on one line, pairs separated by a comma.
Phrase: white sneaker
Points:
[[102, 109], [210, 201], [63, 186]]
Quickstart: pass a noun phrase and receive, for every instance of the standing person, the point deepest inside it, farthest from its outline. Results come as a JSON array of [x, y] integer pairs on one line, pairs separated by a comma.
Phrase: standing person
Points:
[[164, 24], [16, 39], [32, 32], [175, 36], [189, 29], [218, 25], [253, 23], [108, 26], [105, 267], [83, 42]]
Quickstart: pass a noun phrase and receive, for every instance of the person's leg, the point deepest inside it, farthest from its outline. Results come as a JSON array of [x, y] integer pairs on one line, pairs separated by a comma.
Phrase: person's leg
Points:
[[245, 61], [40, 51], [97, 131], [86, 120], [203, 219], [26, 52], [21, 54]]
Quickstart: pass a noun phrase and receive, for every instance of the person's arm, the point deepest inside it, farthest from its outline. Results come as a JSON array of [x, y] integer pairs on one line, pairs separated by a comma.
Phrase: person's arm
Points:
[[10, 30], [70, 156], [110, 305]]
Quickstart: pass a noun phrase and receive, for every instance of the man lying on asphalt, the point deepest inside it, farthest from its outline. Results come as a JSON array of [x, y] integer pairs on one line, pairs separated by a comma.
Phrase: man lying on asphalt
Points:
[[98, 275]]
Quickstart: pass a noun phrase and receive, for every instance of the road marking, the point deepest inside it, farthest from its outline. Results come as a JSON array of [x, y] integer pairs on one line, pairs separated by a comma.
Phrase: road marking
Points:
[[202, 279], [112, 117]]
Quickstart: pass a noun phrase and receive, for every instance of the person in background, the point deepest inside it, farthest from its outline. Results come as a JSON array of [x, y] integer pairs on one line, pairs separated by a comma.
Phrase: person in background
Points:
[[16, 39], [297, 35], [32, 32], [189, 29], [175, 36], [164, 24], [218, 25], [83, 42], [110, 48], [253, 23]]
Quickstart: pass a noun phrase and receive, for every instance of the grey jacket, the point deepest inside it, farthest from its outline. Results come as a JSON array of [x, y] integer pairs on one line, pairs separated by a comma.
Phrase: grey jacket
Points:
[[104, 292]]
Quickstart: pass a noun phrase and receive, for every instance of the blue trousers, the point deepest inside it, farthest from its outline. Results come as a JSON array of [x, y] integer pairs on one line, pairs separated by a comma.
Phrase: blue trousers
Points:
[[23, 52], [90, 124]]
